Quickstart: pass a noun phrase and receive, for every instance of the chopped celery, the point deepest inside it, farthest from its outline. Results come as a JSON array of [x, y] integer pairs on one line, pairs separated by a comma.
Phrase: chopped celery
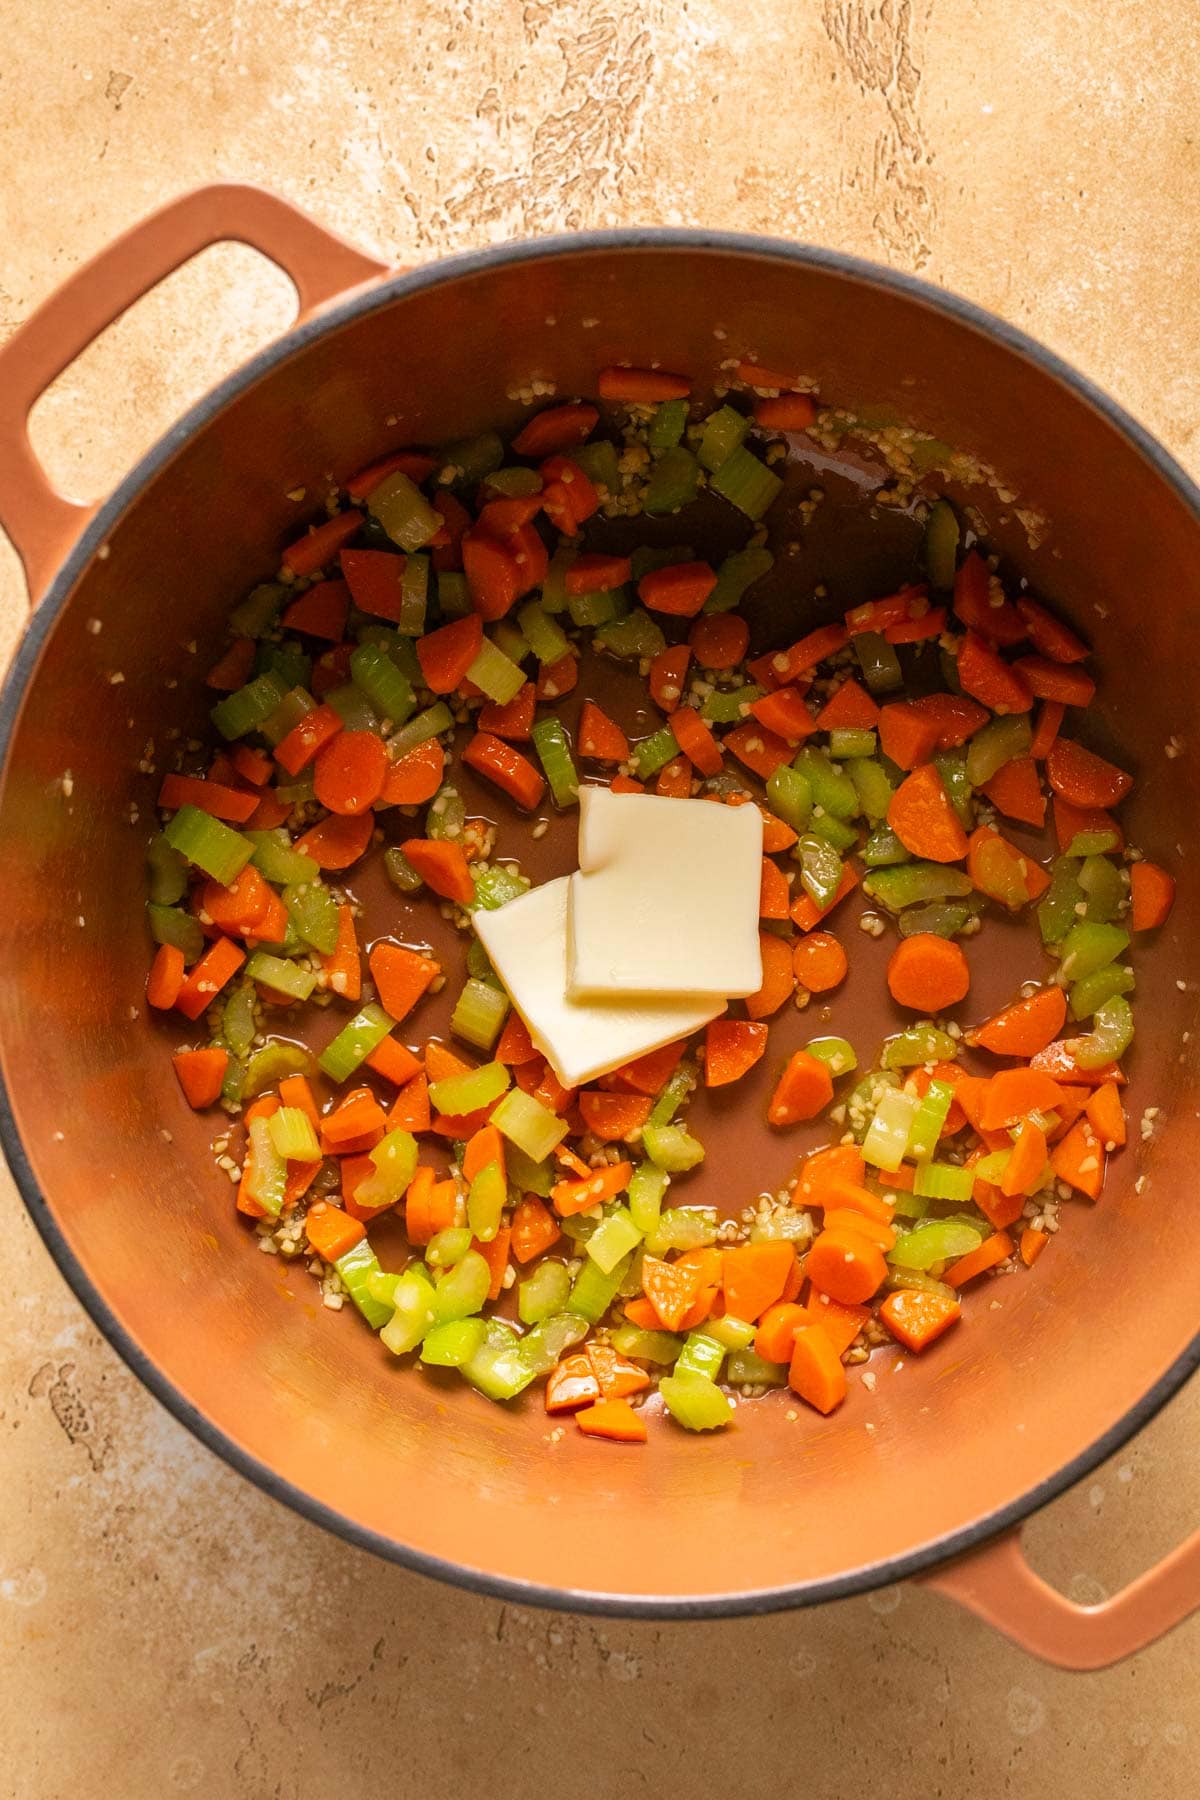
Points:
[[513, 642], [1060, 906], [1110, 1036], [739, 571], [907, 883], [613, 1239], [1088, 947], [837, 1053], [732, 1333], [296, 793], [683, 1228], [413, 1314], [469, 1093], [212, 846], [541, 1348], [453, 594], [935, 1241], [497, 1369], [529, 1125], [495, 674], [527, 1176], [496, 885], [355, 1042], [646, 1346], [820, 869], [1092, 991], [293, 1135], [171, 925], [594, 1290], [233, 1082], [918, 1044], [746, 1368], [275, 859], [400, 871], [655, 752], [878, 661], [667, 426], [245, 709], [834, 832], [479, 1012], [447, 815], [254, 616], [673, 1095], [389, 692], [267, 1175], [281, 976], [600, 608], [166, 871], [729, 706], [1104, 887], [992, 1167], [636, 635], [914, 1279], [314, 912], [789, 797], [845, 743], [671, 1147], [943, 1181], [353, 708], [939, 546], [883, 849], [238, 1021], [450, 1346], [1094, 843], [874, 790], [554, 587], [545, 638], [271, 1062], [448, 1247], [694, 1402], [486, 1199], [462, 1290], [746, 483], [701, 1355], [951, 765], [382, 1286], [647, 1186], [941, 918], [724, 430], [832, 789], [514, 482], [296, 704], [553, 746], [287, 660], [414, 596], [543, 1293], [781, 1223], [887, 1136], [674, 481], [998, 742], [471, 460], [356, 1268], [395, 1160], [403, 511], [600, 464]]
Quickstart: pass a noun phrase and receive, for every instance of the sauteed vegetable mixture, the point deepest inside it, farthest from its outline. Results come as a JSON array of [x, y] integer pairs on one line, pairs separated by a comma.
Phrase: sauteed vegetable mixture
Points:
[[439, 617]]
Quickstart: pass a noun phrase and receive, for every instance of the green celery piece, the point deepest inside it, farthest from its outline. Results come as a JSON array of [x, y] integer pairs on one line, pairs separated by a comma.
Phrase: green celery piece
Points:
[[473, 459], [739, 571], [413, 1315], [832, 789], [514, 481], [729, 706], [414, 602], [878, 661], [543, 1293], [939, 546], [233, 1081], [730, 1332], [356, 1268], [684, 1228], [479, 1013], [594, 1290], [395, 1160], [496, 885], [400, 871], [453, 594], [271, 1062], [267, 1177], [998, 742], [462, 1290], [887, 1136], [238, 1021], [930, 1116], [941, 918], [672, 1097], [746, 1368], [166, 871], [532, 1127], [600, 608], [671, 1147], [908, 1206], [428, 724], [541, 1348], [1110, 1036], [553, 746], [820, 869], [845, 743], [655, 752], [293, 1135], [479, 965], [837, 1053], [544, 636], [554, 587], [314, 912], [668, 425], [247, 707], [296, 704], [943, 1181], [613, 1239], [951, 765], [353, 708], [486, 1200], [782, 1222], [746, 483], [525, 1176], [646, 1346], [1088, 947], [1059, 908], [1091, 993], [674, 482], [789, 796], [469, 1093], [376, 675], [834, 832], [287, 660], [701, 1355], [447, 815], [281, 976], [695, 1403], [873, 787], [1104, 888], [495, 674], [883, 849], [1094, 843], [513, 642], [254, 616], [208, 843], [355, 1042], [724, 430], [404, 512], [934, 1241], [298, 792], [275, 859], [448, 1247], [647, 1186], [916, 1045], [908, 883], [898, 1279], [382, 1286], [636, 635], [450, 1346], [600, 463], [171, 925]]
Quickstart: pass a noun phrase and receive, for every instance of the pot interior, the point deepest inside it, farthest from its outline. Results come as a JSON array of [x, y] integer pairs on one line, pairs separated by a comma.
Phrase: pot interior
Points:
[[1042, 1367]]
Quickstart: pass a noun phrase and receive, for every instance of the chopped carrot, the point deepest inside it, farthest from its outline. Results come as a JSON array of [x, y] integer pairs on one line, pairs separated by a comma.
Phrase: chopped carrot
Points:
[[805, 911], [430, 1206], [776, 1330], [413, 463], [540, 1080], [1083, 778], [639, 1312], [337, 841], [252, 765], [1000, 1210], [818, 962], [776, 835], [841, 1194], [679, 589], [974, 606], [232, 670], [270, 812], [612, 1419], [200, 1074], [294, 1090], [572, 1383], [416, 777], [815, 1372], [376, 582], [617, 1376], [906, 736], [1072, 1105], [506, 767], [999, 870], [784, 714], [845, 1265], [568, 495], [319, 546], [1010, 1096], [719, 640], [612, 1117], [674, 779], [166, 977], [446, 654], [356, 1116], [1027, 1164], [1050, 636], [554, 679], [668, 672], [916, 1318], [343, 970], [212, 797], [1058, 1061], [671, 1288], [534, 1228], [1026, 1026], [984, 674], [441, 1063], [851, 708], [1016, 791], [731, 1049], [556, 429], [600, 738], [916, 630], [774, 894], [778, 982], [1070, 820], [753, 1277], [513, 720], [921, 815], [599, 1185], [860, 1224], [957, 718], [1078, 1159], [841, 1324], [785, 412], [823, 1168], [756, 375], [803, 1090], [641, 387], [410, 1108], [1153, 894], [807, 652], [320, 612], [401, 975], [495, 1254], [993, 1250], [272, 926], [1032, 1243], [316, 729], [1047, 680], [442, 865], [927, 973], [877, 615], [697, 741], [1106, 1115], [760, 750], [493, 579], [350, 772], [647, 1074], [331, 1232], [597, 573], [501, 518], [354, 1171], [1049, 723], [395, 1063], [219, 964]]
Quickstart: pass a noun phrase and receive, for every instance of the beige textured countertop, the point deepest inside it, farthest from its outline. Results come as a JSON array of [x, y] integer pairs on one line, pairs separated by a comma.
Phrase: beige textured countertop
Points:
[[165, 1628]]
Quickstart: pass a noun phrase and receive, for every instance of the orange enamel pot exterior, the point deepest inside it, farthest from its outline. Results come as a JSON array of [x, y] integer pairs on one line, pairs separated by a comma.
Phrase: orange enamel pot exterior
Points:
[[777, 1512]]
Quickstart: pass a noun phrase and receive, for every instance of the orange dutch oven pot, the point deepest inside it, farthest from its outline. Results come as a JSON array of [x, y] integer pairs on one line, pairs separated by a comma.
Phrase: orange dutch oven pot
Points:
[[778, 1512]]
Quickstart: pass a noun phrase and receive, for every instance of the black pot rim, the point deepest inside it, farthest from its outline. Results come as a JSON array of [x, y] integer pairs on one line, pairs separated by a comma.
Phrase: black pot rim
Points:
[[358, 304]]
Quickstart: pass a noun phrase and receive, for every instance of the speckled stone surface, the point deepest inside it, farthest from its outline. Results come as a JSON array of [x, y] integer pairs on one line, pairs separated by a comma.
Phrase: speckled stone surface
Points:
[[166, 1629]]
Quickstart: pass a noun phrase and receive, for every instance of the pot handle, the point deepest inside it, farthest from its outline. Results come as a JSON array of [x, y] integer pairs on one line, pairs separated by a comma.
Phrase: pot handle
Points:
[[41, 522], [998, 1585]]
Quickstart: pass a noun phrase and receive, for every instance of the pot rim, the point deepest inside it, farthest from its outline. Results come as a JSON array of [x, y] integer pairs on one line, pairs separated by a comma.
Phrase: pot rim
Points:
[[360, 304]]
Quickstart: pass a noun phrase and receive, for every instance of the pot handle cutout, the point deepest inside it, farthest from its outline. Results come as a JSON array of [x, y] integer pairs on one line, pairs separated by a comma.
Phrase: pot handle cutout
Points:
[[41, 522], [998, 1585]]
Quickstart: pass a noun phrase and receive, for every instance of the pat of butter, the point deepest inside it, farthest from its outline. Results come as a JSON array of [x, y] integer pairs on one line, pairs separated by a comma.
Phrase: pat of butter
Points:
[[666, 899], [527, 943]]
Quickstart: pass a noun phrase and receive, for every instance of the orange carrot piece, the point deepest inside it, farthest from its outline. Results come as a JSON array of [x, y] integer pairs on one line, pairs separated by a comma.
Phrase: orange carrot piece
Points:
[[674, 779], [757, 375], [316, 729], [915, 1318], [401, 975], [639, 1312], [916, 630], [612, 1117], [597, 573], [410, 1108], [513, 773], [617, 1376], [753, 1277], [777, 1329], [841, 1324], [928, 974], [599, 1185], [784, 714], [417, 776], [495, 1254], [921, 815], [1016, 791], [1026, 1026], [269, 813], [846, 1266], [493, 580], [804, 1088], [719, 640], [641, 387], [956, 716], [1032, 1243], [376, 582], [430, 1206], [999, 870], [908, 737], [825, 1170], [442, 866], [1010, 1096], [1049, 724], [696, 741], [1153, 894], [1050, 636], [502, 517], [731, 1049], [993, 1250], [294, 1090], [818, 962], [785, 412], [671, 1289], [679, 589], [396, 1063], [252, 765], [860, 1224], [973, 605], [331, 1232], [615, 1420], [357, 1116], [1047, 680], [841, 1195], [212, 797], [668, 673], [219, 964], [815, 1372], [647, 1074], [319, 546], [446, 654], [851, 708], [807, 652], [556, 429], [805, 911], [515, 1045], [349, 773], [441, 1063], [1106, 1115], [1027, 1164], [354, 1171], [232, 670], [568, 495], [240, 908], [534, 1229], [343, 968], [600, 738], [555, 679], [774, 894], [166, 977], [320, 612], [1078, 1159], [513, 720], [984, 674], [571, 1383], [758, 748], [200, 1074], [778, 982], [337, 841], [1084, 779]]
